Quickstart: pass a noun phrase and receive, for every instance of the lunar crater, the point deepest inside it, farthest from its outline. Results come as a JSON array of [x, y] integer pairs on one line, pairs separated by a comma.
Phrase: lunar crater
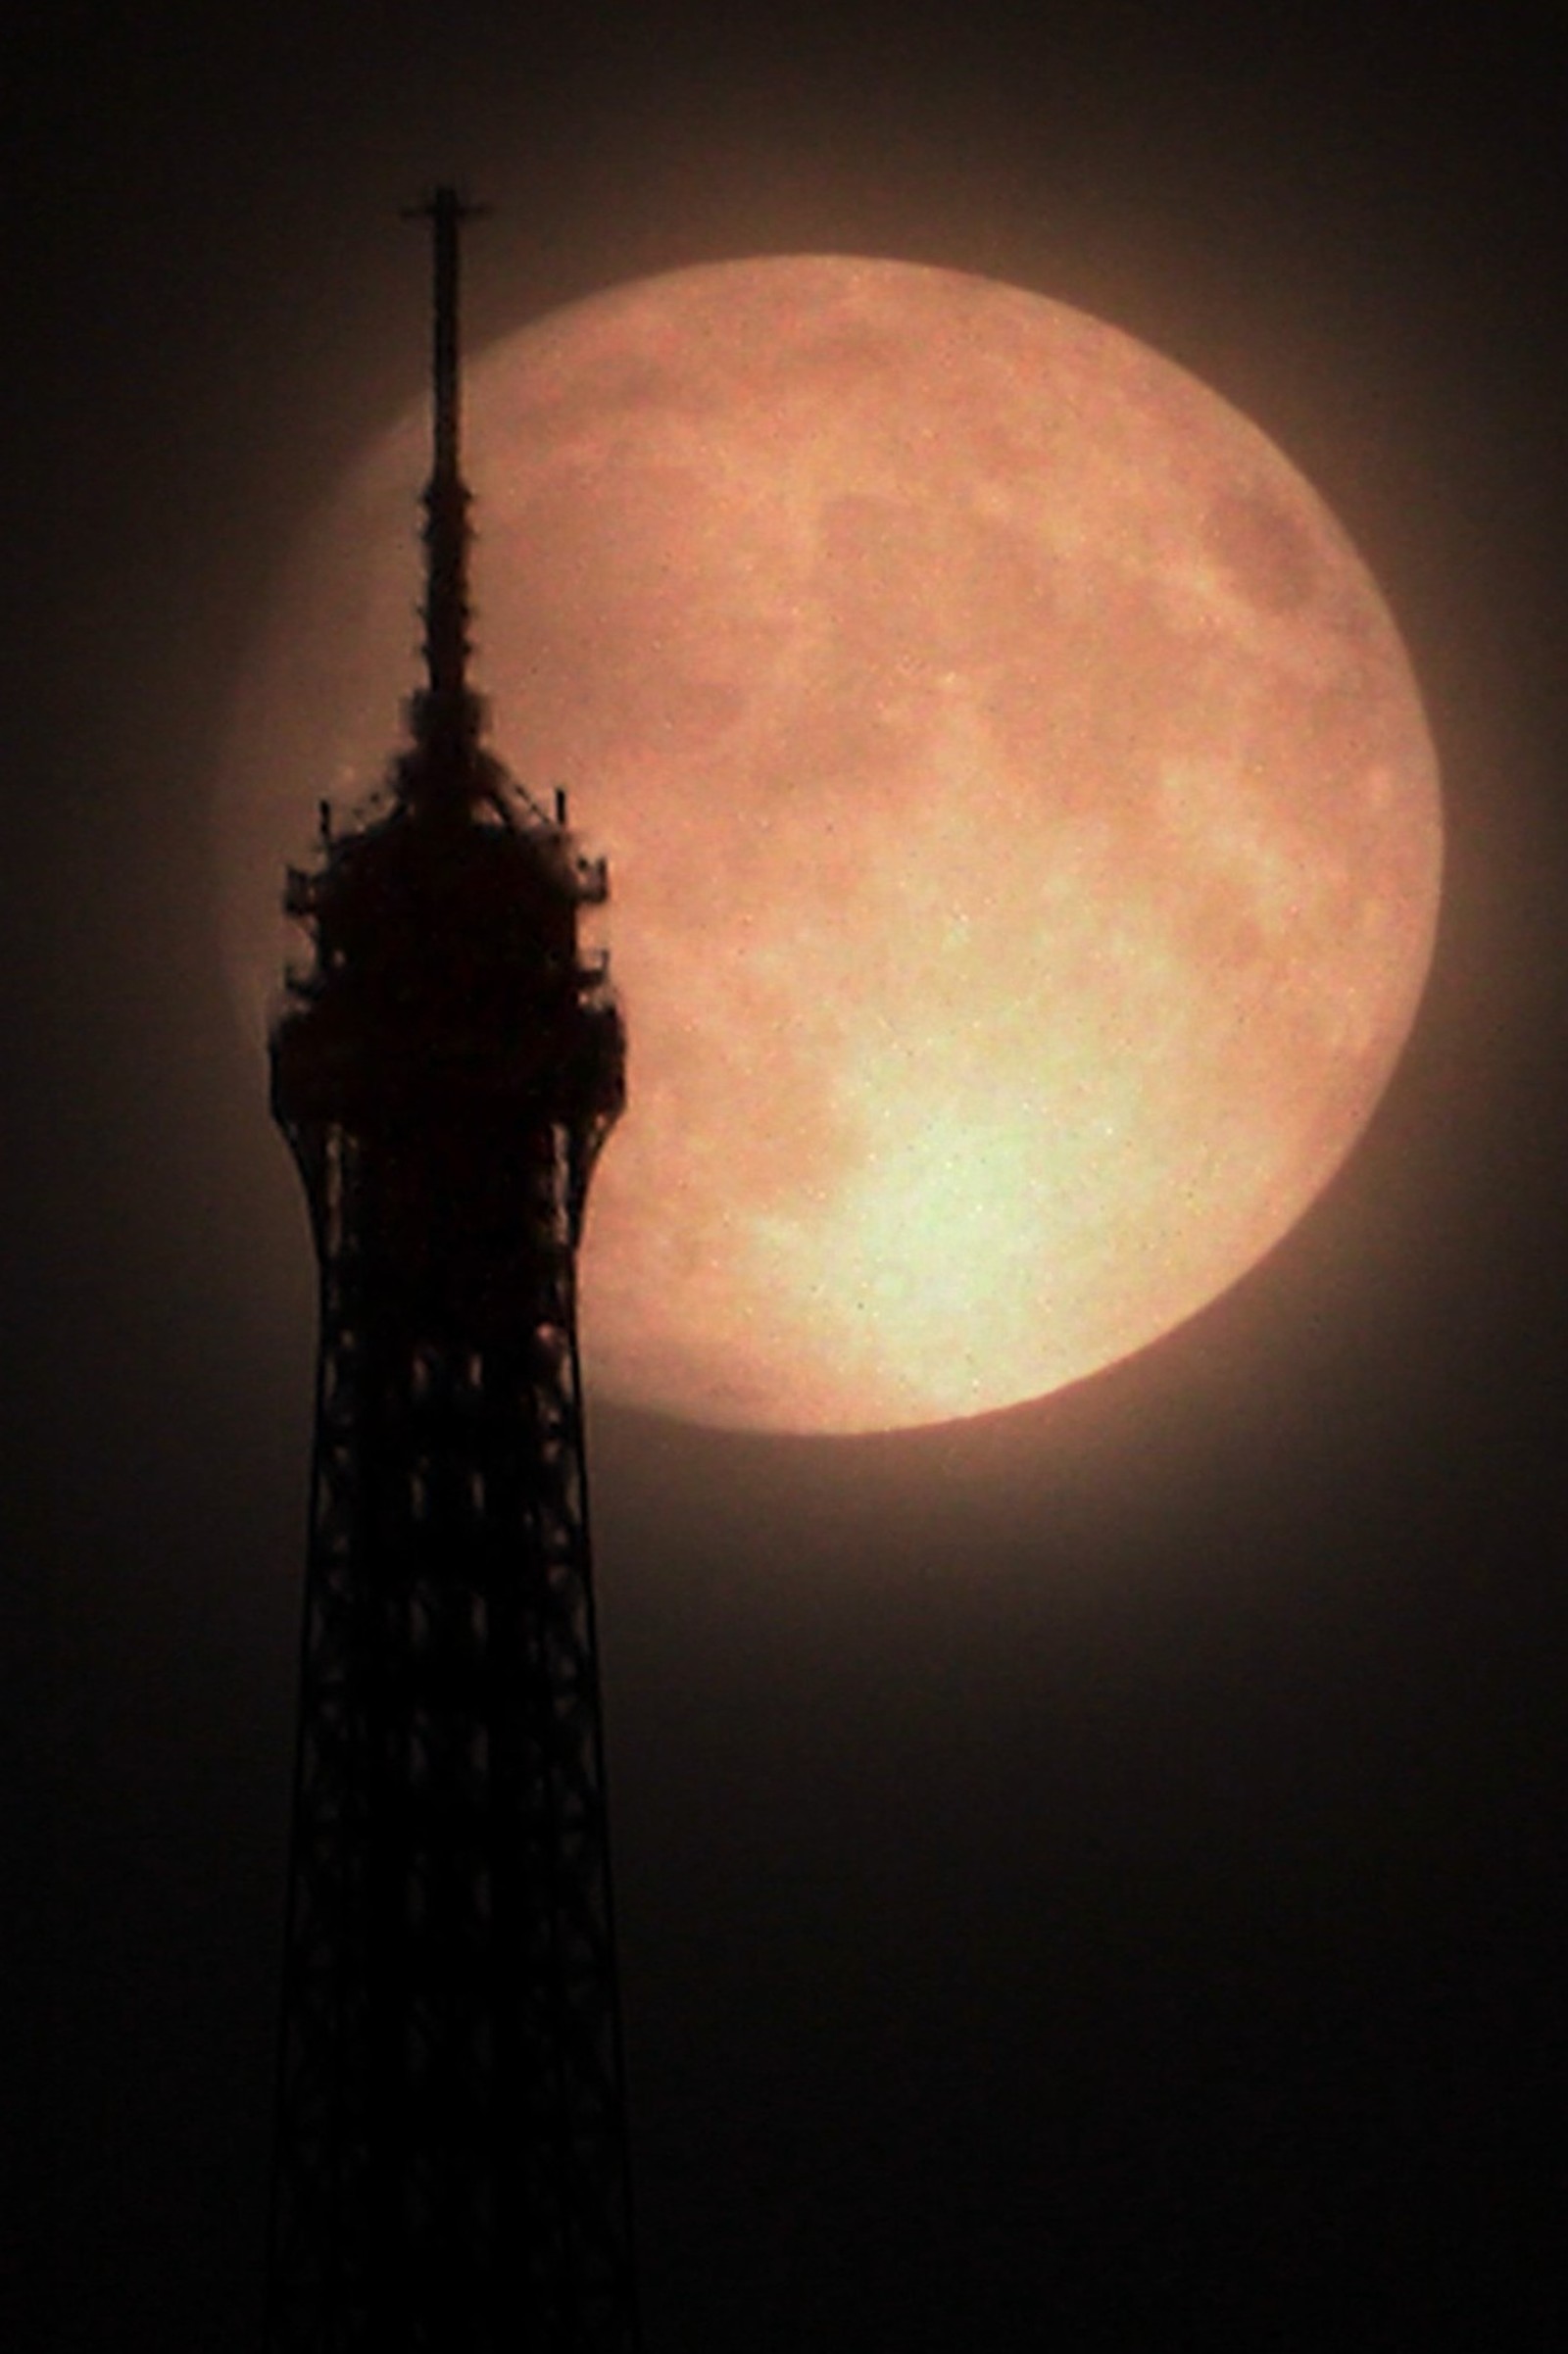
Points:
[[1263, 549]]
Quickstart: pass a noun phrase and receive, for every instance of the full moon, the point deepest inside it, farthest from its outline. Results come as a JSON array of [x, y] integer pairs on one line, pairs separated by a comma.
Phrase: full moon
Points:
[[1023, 828]]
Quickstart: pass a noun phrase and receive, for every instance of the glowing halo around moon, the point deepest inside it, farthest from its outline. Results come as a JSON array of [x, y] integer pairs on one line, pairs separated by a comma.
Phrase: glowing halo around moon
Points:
[[1023, 828]]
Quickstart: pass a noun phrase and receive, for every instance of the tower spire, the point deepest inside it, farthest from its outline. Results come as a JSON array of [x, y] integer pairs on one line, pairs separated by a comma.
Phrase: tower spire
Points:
[[446, 713]]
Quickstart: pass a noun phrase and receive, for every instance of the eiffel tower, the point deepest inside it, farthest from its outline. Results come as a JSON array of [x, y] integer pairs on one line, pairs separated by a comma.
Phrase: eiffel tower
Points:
[[451, 2173]]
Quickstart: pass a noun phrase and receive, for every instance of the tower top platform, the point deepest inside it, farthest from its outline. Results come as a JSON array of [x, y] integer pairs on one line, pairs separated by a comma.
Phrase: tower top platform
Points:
[[447, 982]]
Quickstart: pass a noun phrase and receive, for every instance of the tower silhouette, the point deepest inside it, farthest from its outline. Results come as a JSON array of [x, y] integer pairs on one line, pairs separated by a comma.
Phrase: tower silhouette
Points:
[[451, 2167]]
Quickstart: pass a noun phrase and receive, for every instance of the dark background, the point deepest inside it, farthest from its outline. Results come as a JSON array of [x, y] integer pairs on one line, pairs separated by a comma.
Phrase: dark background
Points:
[[1090, 1877]]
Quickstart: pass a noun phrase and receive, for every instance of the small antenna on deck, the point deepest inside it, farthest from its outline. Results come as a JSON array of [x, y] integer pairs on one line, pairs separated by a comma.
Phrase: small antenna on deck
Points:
[[446, 713]]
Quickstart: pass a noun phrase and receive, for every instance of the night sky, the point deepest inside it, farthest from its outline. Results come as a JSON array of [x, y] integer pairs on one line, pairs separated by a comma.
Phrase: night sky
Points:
[[1090, 1877]]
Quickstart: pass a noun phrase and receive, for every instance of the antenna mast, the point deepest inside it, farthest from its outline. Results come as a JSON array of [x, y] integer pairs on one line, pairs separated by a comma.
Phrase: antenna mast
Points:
[[447, 716]]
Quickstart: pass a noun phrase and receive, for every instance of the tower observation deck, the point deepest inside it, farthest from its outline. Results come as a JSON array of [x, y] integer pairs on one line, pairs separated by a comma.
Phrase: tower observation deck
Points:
[[450, 2166]]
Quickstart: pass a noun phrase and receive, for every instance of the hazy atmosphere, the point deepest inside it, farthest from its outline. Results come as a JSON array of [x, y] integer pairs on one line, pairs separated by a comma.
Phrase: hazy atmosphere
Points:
[[1088, 1875]]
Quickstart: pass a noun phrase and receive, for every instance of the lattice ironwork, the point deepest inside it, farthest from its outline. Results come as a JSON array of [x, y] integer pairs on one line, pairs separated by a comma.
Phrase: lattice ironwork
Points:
[[451, 2173]]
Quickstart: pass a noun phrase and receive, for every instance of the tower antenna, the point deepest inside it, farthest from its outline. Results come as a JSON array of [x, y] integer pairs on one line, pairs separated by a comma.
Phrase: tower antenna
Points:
[[446, 713]]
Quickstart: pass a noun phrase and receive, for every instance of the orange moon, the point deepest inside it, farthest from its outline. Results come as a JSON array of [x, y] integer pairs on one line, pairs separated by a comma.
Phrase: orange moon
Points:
[[1023, 828]]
